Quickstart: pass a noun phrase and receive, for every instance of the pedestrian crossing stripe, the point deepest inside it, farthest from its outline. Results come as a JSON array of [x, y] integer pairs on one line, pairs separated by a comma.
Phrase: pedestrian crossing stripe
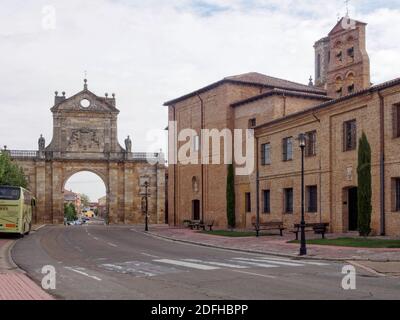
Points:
[[187, 264], [257, 264], [219, 264], [313, 263], [284, 263]]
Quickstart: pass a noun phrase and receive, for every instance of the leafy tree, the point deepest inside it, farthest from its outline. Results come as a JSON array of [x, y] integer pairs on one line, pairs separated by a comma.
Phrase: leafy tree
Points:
[[70, 212], [364, 187], [230, 197], [85, 200], [10, 173]]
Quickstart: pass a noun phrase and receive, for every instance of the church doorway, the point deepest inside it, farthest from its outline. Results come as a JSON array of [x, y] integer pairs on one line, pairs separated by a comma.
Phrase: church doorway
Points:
[[196, 209], [353, 209]]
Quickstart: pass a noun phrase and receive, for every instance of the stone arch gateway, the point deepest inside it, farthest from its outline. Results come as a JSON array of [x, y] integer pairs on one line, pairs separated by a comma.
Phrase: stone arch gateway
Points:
[[85, 139]]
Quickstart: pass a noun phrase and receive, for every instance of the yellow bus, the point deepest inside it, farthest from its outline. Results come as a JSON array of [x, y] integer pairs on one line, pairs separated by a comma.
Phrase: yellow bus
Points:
[[16, 210]]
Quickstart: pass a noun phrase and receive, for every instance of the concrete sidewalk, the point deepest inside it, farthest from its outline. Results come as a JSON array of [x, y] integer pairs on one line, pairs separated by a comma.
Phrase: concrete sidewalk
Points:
[[276, 245], [14, 284]]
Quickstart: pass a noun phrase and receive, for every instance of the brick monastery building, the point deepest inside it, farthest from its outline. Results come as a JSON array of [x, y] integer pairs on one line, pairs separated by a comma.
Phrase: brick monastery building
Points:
[[333, 113]]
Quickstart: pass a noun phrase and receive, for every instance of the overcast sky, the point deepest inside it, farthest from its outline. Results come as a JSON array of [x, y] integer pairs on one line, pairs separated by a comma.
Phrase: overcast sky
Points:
[[148, 52]]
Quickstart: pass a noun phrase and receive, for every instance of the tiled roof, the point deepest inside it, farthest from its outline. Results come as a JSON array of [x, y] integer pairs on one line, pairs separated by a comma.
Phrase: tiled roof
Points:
[[372, 89], [254, 79], [281, 92]]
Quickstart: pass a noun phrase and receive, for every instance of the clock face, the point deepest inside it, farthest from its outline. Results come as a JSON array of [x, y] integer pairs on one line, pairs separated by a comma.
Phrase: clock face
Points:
[[85, 103]]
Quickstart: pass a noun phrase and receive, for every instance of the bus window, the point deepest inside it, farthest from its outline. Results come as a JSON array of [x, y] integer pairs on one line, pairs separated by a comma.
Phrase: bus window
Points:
[[10, 193]]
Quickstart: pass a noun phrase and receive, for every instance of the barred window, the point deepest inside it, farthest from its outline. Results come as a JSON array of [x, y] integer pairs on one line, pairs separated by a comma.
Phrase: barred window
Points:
[[252, 123], [266, 154], [267, 201], [350, 135], [312, 199], [288, 200], [248, 201], [287, 146], [311, 143]]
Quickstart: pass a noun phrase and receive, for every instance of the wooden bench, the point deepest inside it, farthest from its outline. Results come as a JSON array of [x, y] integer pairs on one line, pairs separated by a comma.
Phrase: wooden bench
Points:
[[198, 224], [273, 225], [317, 228]]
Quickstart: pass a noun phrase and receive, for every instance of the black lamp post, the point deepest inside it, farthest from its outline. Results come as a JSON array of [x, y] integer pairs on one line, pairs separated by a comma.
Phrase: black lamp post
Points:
[[303, 248], [146, 205]]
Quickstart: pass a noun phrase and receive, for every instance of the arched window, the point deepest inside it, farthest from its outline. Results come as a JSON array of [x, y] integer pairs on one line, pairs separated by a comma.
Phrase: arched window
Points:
[[318, 66], [195, 184], [350, 82], [339, 85]]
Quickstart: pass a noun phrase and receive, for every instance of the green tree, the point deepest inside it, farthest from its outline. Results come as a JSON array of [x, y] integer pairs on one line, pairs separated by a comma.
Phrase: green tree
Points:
[[85, 200], [10, 173], [230, 197], [364, 187], [70, 212]]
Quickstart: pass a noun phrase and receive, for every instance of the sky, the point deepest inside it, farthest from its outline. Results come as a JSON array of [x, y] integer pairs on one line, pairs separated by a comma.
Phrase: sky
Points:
[[149, 52]]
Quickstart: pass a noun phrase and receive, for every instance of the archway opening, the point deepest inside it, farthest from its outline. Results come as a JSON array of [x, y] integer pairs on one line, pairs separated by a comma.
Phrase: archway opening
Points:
[[85, 198]]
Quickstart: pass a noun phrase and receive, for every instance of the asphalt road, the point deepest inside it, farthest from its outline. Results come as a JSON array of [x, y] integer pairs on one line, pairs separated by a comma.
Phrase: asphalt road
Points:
[[121, 262]]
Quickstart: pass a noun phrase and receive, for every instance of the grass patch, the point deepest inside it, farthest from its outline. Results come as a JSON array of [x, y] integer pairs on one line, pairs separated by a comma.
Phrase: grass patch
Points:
[[234, 234], [355, 242]]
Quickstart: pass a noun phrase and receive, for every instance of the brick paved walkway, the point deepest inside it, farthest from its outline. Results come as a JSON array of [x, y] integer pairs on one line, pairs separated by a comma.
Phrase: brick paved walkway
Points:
[[17, 286], [278, 245], [14, 284]]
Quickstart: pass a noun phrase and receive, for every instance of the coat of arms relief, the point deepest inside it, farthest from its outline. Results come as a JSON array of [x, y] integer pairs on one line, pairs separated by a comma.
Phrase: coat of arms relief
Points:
[[84, 139]]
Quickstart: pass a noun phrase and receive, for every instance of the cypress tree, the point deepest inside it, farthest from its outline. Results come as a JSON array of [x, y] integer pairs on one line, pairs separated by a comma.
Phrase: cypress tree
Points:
[[230, 197], [364, 187]]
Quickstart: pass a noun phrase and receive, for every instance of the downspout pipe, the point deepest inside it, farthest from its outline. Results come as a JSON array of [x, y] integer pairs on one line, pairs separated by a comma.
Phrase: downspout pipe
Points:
[[201, 157], [382, 162], [257, 187]]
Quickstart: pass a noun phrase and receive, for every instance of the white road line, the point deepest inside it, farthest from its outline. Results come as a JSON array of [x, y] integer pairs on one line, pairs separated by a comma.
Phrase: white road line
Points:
[[112, 244], [95, 238], [219, 264], [284, 263], [149, 255], [187, 264], [295, 261], [262, 265], [83, 273], [255, 274]]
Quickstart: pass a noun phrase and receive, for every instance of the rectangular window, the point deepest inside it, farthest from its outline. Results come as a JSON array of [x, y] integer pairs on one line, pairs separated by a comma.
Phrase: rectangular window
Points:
[[266, 154], [288, 193], [311, 143], [267, 201], [248, 201], [397, 194], [312, 199], [396, 121], [350, 135], [252, 123], [287, 146]]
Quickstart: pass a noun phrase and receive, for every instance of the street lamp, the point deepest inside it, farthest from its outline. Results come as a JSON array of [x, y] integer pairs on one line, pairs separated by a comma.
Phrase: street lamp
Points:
[[145, 206], [302, 145]]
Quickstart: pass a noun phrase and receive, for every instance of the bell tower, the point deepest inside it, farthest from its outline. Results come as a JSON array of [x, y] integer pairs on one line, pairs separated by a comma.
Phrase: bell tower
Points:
[[341, 60]]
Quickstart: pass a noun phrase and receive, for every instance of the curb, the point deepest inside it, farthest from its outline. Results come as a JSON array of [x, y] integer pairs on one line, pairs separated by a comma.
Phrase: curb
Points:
[[39, 227], [272, 253], [7, 263]]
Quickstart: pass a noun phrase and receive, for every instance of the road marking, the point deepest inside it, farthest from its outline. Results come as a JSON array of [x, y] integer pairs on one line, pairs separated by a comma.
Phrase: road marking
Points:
[[149, 255], [95, 238], [255, 274], [83, 273], [262, 265], [112, 244], [299, 261], [187, 264], [284, 263], [219, 264]]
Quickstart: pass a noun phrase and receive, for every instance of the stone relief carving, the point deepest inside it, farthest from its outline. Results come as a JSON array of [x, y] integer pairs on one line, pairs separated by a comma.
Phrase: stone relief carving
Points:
[[84, 139]]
